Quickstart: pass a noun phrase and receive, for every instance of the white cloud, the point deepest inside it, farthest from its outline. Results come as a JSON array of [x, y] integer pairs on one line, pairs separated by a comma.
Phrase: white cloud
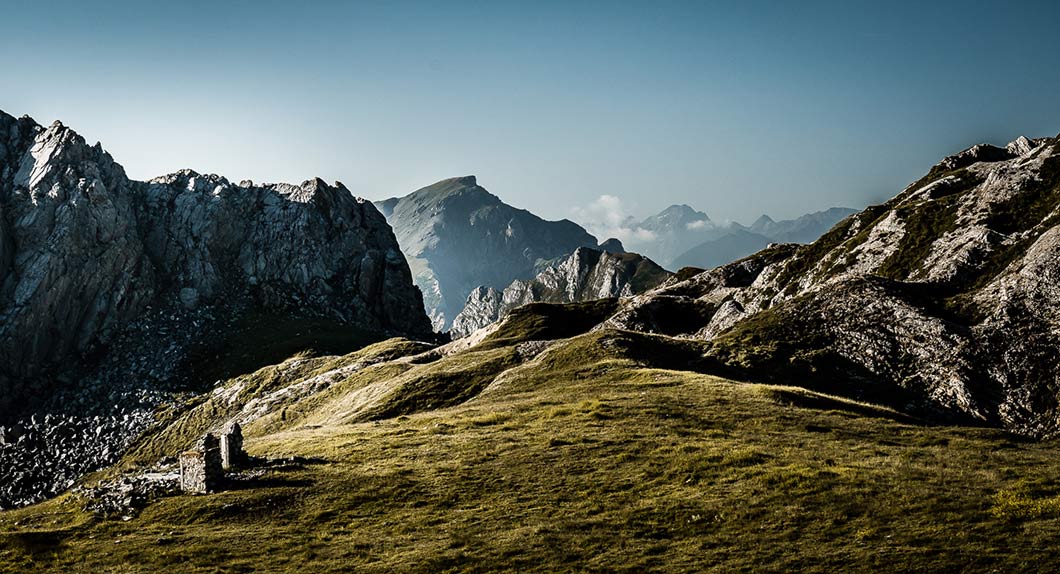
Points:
[[606, 210], [644, 235], [607, 216], [699, 224]]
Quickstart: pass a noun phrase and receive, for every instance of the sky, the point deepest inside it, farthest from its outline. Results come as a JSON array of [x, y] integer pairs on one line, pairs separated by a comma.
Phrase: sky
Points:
[[735, 108]]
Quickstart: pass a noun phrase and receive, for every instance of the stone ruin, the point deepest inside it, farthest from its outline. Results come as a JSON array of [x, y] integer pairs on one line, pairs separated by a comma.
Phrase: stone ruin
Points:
[[232, 454], [202, 469]]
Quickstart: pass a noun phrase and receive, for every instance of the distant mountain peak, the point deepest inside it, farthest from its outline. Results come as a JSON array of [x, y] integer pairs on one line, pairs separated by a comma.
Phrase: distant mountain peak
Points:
[[464, 185], [762, 222], [457, 236], [679, 208], [681, 212], [465, 180]]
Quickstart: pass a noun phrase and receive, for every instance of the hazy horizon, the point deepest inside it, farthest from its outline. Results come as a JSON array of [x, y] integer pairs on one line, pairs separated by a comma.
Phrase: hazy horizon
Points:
[[736, 109]]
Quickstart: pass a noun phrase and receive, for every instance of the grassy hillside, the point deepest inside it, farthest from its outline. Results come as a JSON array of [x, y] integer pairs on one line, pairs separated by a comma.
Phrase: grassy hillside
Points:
[[587, 457]]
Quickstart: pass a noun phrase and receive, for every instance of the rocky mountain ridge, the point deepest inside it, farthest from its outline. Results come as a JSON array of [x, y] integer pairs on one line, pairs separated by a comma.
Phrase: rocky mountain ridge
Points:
[[587, 274], [944, 301]]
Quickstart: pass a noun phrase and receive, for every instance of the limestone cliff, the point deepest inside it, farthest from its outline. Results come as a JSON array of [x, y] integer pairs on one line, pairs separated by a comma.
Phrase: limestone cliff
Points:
[[585, 275], [85, 249]]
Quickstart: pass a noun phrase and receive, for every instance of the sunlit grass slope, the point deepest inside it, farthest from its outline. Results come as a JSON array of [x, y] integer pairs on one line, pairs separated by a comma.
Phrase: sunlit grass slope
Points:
[[586, 457]]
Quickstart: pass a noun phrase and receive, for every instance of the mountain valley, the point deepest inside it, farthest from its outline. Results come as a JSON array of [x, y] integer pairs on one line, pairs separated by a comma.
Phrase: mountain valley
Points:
[[880, 397]]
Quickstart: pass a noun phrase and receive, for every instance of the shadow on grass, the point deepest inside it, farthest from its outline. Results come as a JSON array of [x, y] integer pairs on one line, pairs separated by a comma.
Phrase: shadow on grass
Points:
[[35, 543], [244, 481], [824, 403], [264, 482]]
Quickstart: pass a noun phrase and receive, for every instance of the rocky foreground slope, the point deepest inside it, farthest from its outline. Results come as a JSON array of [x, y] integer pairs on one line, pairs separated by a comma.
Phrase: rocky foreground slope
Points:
[[113, 291], [536, 446], [458, 236], [944, 301], [585, 275]]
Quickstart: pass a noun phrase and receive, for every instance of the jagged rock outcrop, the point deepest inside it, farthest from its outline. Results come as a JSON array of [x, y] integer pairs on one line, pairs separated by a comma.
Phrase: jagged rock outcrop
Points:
[[312, 246], [944, 301], [586, 275], [458, 236], [106, 284], [684, 303], [86, 250]]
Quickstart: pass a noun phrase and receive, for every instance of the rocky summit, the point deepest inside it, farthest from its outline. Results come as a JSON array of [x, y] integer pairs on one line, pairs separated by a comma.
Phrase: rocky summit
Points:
[[110, 289], [943, 302], [586, 275], [457, 236]]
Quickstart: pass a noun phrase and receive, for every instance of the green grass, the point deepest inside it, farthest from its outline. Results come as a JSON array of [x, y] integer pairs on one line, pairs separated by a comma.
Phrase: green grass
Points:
[[645, 273], [590, 458], [178, 428]]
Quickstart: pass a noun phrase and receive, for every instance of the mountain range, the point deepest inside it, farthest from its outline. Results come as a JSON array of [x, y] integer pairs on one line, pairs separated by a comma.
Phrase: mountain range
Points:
[[680, 236], [460, 240]]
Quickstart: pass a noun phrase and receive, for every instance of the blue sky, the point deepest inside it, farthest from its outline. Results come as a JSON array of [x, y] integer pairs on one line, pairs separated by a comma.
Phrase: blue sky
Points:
[[736, 108]]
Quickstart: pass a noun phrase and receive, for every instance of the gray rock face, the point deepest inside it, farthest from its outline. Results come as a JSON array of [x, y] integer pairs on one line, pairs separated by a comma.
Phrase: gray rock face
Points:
[[309, 246], [585, 275], [85, 250], [683, 304], [944, 302], [457, 236], [77, 268], [106, 284]]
